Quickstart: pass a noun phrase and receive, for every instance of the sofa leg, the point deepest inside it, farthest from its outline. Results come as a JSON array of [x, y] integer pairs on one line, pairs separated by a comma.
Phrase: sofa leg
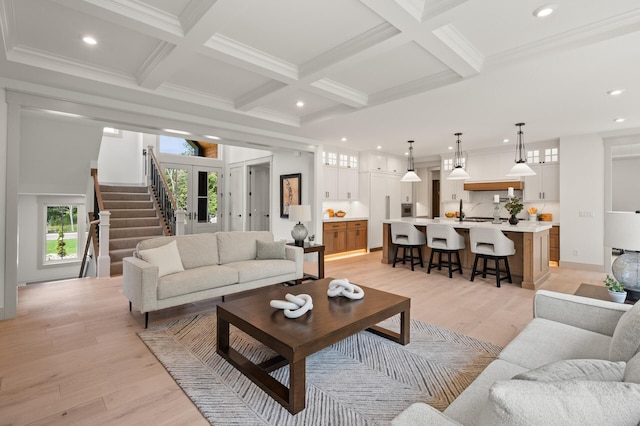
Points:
[[223, 298], [146, 320], [129, 305]]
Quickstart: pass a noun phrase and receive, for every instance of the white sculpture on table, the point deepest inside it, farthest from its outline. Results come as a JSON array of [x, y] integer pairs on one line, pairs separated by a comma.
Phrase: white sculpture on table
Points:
[[294, 306], [342, 287]]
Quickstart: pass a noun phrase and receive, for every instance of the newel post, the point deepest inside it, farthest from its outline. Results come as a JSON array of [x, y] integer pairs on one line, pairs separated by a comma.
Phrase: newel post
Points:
[[104, 260], [179, 222]]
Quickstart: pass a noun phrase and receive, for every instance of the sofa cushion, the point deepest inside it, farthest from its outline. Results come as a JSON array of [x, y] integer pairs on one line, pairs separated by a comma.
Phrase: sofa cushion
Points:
[[576, 369], [252, 270], [195, 250], [543, 341], [626, 337], [194, 280], [166, 258], [632, 370], [237, 246], [466, 408], [270, 250], [572, 402]]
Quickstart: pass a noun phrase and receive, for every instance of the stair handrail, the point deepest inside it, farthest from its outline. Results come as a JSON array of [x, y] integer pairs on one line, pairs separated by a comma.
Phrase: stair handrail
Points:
[[98, 204], [164, 197], [91, 238]]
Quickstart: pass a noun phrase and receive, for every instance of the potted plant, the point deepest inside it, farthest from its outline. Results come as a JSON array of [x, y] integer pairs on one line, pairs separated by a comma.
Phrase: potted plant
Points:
[[514, 206], [617, 292]]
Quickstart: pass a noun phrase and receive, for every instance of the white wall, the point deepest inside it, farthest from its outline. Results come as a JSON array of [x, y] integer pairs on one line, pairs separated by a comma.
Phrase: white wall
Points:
[[582, 191], [625, 179], [56, 153], [120, 160], [3, 193]]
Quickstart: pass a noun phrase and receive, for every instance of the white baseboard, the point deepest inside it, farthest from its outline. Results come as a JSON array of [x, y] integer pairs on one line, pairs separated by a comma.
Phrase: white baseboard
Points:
[[583, 266]]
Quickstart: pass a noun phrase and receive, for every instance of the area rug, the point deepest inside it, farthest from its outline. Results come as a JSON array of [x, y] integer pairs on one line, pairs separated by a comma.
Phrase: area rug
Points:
[[362, 380]]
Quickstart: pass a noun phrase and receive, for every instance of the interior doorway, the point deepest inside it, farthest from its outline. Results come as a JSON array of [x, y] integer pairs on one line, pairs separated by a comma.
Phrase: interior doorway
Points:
[[435, 198], [197, 190], [259, 196]]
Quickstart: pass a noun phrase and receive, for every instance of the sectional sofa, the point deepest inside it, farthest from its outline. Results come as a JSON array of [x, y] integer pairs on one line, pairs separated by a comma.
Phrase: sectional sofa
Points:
[[576, 363], [171, 271]]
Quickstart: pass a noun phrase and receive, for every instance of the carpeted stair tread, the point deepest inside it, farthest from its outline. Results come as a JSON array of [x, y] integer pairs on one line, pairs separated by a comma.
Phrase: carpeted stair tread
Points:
[[123, 243], [143, 231], [123, 188], [126, 196], [127, 205], [134, 222], [116, 268], [128, 213]]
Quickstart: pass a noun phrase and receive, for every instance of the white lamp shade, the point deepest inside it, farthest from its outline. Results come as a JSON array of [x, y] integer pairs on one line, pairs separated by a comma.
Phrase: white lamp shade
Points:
[[458, 173], [410, 176], [521, 169], [622, 230], [300, 213]]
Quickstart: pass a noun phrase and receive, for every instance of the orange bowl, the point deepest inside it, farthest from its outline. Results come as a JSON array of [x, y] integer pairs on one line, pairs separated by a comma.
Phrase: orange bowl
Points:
[[449, 214]]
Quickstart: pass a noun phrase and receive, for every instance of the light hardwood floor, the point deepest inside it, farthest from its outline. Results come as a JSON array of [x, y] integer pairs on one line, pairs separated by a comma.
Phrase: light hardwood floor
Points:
[[72, 355]]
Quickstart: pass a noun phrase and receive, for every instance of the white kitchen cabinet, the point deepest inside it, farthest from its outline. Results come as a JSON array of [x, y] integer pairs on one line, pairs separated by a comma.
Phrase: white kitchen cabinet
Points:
[[394, 165], [384, 203], [451, 190], [490, 167], [330, 183], [544, 185], [381, 162], [347, 183], [406, 192]]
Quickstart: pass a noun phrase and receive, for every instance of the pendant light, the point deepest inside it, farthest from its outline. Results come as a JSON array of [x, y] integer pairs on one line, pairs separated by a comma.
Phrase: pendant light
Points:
[[411, 175], [520, 168], [458, 172]]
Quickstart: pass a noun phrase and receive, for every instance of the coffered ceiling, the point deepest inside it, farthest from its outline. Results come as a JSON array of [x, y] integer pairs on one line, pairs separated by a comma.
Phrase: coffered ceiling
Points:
[[378, 72]]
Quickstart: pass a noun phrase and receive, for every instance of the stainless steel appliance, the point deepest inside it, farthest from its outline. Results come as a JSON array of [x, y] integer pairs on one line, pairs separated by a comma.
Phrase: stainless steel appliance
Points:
[[406, 210]]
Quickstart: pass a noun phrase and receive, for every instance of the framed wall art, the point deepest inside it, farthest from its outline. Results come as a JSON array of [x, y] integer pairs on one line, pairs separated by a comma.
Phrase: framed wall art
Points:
[[290, 192]]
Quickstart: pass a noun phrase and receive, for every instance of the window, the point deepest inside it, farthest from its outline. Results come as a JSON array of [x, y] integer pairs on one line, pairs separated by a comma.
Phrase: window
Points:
[[344, 160], [353, 162], [329, 158], [447, 164], [177, 146], [533, 156], [63, 230], [551, 155], [111, 132]]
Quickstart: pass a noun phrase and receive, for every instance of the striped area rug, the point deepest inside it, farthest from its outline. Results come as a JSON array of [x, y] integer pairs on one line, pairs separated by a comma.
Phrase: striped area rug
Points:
[[362, 380]]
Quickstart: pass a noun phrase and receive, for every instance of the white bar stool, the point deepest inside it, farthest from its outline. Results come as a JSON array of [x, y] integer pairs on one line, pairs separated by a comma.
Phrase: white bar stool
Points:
[[406, 236], [444, 239], [489, 243]]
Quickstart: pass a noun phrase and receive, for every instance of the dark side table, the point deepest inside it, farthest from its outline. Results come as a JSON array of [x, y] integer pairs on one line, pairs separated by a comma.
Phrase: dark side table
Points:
[[313, 248], [597, 292]]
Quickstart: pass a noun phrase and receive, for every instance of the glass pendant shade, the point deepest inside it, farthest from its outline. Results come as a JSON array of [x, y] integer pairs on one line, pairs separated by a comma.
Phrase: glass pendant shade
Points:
[[411, 175], [458, 172], [520, 168]]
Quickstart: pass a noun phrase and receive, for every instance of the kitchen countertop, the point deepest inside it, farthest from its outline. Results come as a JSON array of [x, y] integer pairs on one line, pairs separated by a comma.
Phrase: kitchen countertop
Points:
[[343, 219], [522, 226]]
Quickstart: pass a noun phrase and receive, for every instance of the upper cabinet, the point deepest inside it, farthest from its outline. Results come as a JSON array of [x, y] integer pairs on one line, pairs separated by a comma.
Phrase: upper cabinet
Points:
[[451, 190], [340, 175], [380, 162], [490, 167], [545, 185]]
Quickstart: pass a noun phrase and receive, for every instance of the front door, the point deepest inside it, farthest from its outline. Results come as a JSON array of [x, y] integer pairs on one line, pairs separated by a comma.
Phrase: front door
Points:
[[259, 196], [197, 191]]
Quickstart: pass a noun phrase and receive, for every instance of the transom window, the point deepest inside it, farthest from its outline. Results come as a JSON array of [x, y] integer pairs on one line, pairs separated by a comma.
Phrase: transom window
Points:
[[533, 156], [551, 155], [330, 158], [447, 163]]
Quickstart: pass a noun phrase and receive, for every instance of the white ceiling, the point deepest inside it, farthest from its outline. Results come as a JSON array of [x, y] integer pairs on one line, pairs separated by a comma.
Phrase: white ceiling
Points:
[[378, 72]]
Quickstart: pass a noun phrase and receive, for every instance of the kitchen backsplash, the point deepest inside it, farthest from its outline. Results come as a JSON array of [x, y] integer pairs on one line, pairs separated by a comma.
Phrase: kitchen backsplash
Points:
[[353, 208], [485, 208]]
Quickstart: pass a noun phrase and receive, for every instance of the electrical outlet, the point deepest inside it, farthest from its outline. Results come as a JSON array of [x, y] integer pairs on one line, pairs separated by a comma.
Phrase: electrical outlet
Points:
[[576, 252]]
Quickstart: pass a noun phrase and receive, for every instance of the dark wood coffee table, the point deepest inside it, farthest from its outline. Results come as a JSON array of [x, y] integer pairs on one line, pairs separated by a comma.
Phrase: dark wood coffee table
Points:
[[331, 320]]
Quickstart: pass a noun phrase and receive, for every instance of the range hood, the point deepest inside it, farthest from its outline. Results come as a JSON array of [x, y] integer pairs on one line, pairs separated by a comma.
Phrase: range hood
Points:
[[494, 186]]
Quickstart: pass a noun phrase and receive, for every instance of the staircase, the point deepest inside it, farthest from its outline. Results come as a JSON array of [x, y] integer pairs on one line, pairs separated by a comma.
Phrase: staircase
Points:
[[133, 218]]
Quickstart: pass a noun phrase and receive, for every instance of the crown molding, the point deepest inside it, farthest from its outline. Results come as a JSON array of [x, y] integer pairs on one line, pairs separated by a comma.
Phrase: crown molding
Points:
[[250, 99], [268, 64], [193, 13], [159, 54], [415, 8], [463, 48], [141, 12], [327, 114], [8, 25], [341, 93], [443, 78]]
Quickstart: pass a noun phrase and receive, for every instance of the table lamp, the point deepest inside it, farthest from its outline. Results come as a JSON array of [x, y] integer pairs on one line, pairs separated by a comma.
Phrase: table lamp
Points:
[[299, 213], [622, 231]]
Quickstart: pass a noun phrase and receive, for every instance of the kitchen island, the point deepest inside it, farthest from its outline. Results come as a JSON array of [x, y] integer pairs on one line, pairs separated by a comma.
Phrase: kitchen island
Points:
[[529, 266]]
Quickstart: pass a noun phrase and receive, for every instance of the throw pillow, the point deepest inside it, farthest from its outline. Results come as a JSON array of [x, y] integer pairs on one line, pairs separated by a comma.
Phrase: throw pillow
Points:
[[576, 369], [270, 250], [632, 371], [572, 402], [626, 337], [166, 258]]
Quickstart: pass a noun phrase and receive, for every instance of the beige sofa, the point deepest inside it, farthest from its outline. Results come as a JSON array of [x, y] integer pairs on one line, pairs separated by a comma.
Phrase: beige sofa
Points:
[[189, 268], [574, 364]]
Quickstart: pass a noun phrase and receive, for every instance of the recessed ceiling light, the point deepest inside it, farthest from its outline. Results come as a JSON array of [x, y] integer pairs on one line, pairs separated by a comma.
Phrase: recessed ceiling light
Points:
[[343, 139], [543, 11], [63, 114], [212, 137], [89, 40], [505, 140], [406, 153], [177, 132], [615, 92], [378, 147], [299, 104], [619, 120], [450, 147]]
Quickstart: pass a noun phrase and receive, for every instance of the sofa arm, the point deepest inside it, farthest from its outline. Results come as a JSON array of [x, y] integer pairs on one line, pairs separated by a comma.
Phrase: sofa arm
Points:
[[297, 255], [140, 283], [422, 414], [595, 315]]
